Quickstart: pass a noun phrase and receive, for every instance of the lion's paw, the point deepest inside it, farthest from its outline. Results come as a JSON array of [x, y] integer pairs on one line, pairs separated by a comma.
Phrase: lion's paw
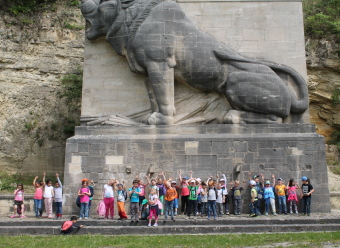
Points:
[[159, 119]]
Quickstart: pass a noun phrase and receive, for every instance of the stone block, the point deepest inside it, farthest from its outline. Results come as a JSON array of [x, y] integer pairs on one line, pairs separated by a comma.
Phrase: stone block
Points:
[[114, 160]]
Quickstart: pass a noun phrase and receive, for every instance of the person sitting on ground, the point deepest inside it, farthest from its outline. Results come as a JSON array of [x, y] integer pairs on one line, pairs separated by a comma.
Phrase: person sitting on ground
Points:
[[68, 226]]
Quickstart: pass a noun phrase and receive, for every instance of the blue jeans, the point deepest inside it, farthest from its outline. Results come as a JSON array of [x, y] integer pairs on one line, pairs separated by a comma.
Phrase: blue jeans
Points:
[[37, 207], [212, 208], [204, 208], [169, 207], [282, 203], [84, 210], [306, 205], [58, 208]]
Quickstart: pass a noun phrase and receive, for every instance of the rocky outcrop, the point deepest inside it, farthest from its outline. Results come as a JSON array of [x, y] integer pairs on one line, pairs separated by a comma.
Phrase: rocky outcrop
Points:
[[324, 77], [34, 55]]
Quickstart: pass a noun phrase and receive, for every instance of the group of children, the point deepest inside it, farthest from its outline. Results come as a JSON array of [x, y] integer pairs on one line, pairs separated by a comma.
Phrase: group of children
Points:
[[209, 198], [43, 190]]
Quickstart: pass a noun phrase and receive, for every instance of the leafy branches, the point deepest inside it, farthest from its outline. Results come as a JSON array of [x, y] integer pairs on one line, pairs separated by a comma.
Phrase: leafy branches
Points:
[[322, 18]]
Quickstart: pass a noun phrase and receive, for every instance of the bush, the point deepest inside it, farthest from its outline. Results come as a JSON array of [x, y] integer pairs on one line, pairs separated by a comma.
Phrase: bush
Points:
[[322, 18], [17, 7]]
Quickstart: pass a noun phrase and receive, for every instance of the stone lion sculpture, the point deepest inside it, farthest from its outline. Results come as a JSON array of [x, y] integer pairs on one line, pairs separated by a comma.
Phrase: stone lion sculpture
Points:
[[159, 41]]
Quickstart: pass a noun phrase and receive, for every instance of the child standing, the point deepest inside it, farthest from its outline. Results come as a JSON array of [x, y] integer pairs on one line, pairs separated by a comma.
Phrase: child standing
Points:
[[204, 199], [153, 207], [224, 183], [220, 199], [68, 226], [173, 185], [121, 199], [292, 195], [253, 200], [237, 198], [84, 193], [19, 201], [91, 186], [38, 196], [192, 199], [268, 196], [306, 195], [259, 188], [161, 188], [108, 198], [58, 197], [212, 196], [280, 190], [134, 200], [169, 198], [184, 192], [48, 197]]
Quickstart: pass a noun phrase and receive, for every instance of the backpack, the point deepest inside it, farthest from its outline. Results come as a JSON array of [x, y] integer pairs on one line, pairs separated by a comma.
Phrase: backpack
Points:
[[91, 191], [78, 202], [66, 225], [101, 208]]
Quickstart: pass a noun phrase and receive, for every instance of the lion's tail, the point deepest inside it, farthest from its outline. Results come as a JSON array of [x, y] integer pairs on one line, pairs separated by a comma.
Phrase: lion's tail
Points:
[[298, 105]]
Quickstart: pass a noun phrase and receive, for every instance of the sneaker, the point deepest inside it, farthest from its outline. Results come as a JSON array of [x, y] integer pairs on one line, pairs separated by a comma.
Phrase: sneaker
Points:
[[149, 224], [22, 216], [296, 212], [13, 216], [86, 218], [175, 213], [274, 213], [155, 224], [291, 212], [80, 218], [266, 213]]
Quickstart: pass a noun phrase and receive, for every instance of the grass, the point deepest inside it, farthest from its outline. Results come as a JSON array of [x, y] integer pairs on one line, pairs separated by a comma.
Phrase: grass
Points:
[[227, 240]]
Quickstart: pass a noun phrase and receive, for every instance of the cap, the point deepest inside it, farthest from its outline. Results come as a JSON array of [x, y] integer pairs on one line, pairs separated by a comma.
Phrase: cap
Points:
[[256, 176], [252, 182], [198, 179], [304, 178], [173, 181], [145, 201], [267, 182], [221, 179], [119, 184], [279, 179], [192, 181], [185, 178], [84, 179]]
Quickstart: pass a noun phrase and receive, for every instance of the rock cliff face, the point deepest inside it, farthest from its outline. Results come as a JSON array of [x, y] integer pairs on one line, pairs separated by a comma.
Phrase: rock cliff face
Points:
[[324, 77], [34, 55]]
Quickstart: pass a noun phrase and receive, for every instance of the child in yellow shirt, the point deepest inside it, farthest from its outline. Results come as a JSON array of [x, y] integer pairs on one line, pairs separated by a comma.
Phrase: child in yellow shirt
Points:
[[280, 190]]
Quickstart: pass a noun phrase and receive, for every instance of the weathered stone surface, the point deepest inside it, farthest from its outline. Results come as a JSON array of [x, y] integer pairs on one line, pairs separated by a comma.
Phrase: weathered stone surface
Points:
[[234, 151], [194, 58]]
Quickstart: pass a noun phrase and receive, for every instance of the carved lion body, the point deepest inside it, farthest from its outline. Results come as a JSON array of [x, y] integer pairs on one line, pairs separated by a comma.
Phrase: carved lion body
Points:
[[161, 42]]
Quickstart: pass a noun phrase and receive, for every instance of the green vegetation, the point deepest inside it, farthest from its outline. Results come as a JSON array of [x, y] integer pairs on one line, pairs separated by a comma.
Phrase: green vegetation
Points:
[[73, 26], [322, 18], [28, 126], [228, 240], [336, 97], [17, 7]]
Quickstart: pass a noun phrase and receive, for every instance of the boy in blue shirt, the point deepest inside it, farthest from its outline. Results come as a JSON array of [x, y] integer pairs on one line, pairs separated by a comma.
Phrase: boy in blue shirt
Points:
[[134, 194], [268, 196]]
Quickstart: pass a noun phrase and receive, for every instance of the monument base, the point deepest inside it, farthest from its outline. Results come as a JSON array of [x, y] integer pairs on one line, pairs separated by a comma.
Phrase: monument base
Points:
[[285, 150]]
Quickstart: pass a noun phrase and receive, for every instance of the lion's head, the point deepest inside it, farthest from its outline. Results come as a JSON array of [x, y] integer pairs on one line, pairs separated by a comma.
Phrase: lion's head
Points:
[[99, 15]]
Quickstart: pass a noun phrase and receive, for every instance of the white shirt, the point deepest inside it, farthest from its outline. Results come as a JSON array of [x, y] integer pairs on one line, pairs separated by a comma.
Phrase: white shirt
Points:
[[212, 195], [48, 191], [220, 194], [153, 198], [108, 191], [204, 198]]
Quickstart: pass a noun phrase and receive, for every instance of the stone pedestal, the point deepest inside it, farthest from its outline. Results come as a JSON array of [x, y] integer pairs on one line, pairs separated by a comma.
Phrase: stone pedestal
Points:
[[286, 150]]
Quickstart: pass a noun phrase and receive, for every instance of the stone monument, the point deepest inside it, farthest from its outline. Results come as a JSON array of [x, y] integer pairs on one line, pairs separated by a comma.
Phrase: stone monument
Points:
[[209, 86]]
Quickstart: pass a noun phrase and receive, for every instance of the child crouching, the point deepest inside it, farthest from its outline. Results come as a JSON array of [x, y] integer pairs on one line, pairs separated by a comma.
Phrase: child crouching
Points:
[[68, 226]]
